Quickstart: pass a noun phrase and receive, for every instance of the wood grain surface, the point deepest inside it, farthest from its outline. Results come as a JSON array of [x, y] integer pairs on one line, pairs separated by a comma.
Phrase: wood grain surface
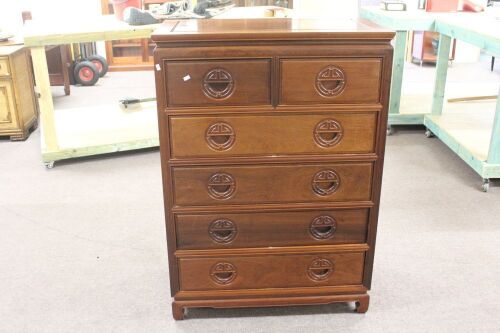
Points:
[[271, 172]]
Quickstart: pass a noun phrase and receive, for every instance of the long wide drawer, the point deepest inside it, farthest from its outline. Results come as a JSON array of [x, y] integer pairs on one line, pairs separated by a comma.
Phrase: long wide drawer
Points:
[[319, 227], [330, 80], [325, 133], [218, 82], [263, 184], [271, 271]]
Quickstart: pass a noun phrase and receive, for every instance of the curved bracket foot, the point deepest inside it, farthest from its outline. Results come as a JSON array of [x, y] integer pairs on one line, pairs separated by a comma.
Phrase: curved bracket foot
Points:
[[177, 311], [362, 304]]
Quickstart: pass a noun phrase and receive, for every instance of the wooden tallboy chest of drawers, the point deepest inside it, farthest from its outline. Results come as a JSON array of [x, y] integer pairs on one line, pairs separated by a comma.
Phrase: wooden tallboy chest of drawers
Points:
[[272, 135]]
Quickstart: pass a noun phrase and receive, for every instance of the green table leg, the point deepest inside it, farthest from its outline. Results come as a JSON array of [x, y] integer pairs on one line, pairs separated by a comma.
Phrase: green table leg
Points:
[[494, 150], [443, 57], [397, 71]]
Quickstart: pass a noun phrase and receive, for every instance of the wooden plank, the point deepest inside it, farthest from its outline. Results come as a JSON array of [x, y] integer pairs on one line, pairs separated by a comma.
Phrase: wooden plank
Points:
[[491, 170], [467, 131], [406, 119], [46, 106], [404, 20], [397, 71], [441, 74], [494, 150], [477, 29], [104, 129], [475, 162], [78, 30], [484, 169], [471, 98], [102, 148]]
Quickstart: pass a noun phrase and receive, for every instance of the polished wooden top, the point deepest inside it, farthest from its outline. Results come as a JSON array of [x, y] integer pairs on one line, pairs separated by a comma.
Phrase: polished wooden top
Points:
[[267, 29]]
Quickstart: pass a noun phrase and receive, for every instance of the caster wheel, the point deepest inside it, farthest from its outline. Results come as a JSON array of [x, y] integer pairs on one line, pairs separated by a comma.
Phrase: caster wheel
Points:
[[429, 134], [486, 185], [86, 73], [49, 165], [390, 131], [100, 63]]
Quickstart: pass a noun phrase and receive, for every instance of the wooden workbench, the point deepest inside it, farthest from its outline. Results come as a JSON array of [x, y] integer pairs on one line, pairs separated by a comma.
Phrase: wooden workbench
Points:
[[86, 131], [472, 134], [80, 132]]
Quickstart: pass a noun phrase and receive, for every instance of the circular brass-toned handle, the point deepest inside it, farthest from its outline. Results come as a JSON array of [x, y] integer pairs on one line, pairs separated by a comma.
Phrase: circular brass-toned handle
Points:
[[222, 231], [330, 81], [325, 182], [328, 133], [323, 227], [220, 136], [221, 186], [223, 273], [218, 84], [320, 269]]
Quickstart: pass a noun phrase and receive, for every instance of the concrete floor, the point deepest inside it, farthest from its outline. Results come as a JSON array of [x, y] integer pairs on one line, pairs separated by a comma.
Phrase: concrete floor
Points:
[[82, 247]]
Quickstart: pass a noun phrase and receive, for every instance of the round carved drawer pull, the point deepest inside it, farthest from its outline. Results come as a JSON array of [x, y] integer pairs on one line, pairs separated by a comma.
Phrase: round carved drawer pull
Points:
[[221, 186], [222, 231], [218, 84], [320, 269], [220, 136], [328, 133], [223, 273], [331, 81], [325, 182], [323, 227]]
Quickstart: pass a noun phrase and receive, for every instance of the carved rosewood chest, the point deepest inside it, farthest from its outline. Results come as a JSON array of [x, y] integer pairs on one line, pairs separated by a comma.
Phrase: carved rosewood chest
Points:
[[272, 135]]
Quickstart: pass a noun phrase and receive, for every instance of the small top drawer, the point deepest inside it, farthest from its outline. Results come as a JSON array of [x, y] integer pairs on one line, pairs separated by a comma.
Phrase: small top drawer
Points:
[[4, 67], [216, 83], [334, 80]]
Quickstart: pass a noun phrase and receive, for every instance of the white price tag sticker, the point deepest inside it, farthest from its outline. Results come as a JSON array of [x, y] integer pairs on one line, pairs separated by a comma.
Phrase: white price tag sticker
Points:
[[187, 78]]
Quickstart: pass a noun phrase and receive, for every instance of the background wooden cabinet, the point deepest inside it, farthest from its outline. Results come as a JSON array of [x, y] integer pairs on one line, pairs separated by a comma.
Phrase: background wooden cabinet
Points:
[[7, 109], [422, 48], [18, 111]]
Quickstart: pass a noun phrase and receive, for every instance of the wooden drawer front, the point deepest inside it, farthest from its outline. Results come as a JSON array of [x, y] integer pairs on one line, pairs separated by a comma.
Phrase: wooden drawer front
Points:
[[271, 271], [8, 117], [4, 67], [196, 186], [271, 229], [215, 83], [273, 135], [335, 80]]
